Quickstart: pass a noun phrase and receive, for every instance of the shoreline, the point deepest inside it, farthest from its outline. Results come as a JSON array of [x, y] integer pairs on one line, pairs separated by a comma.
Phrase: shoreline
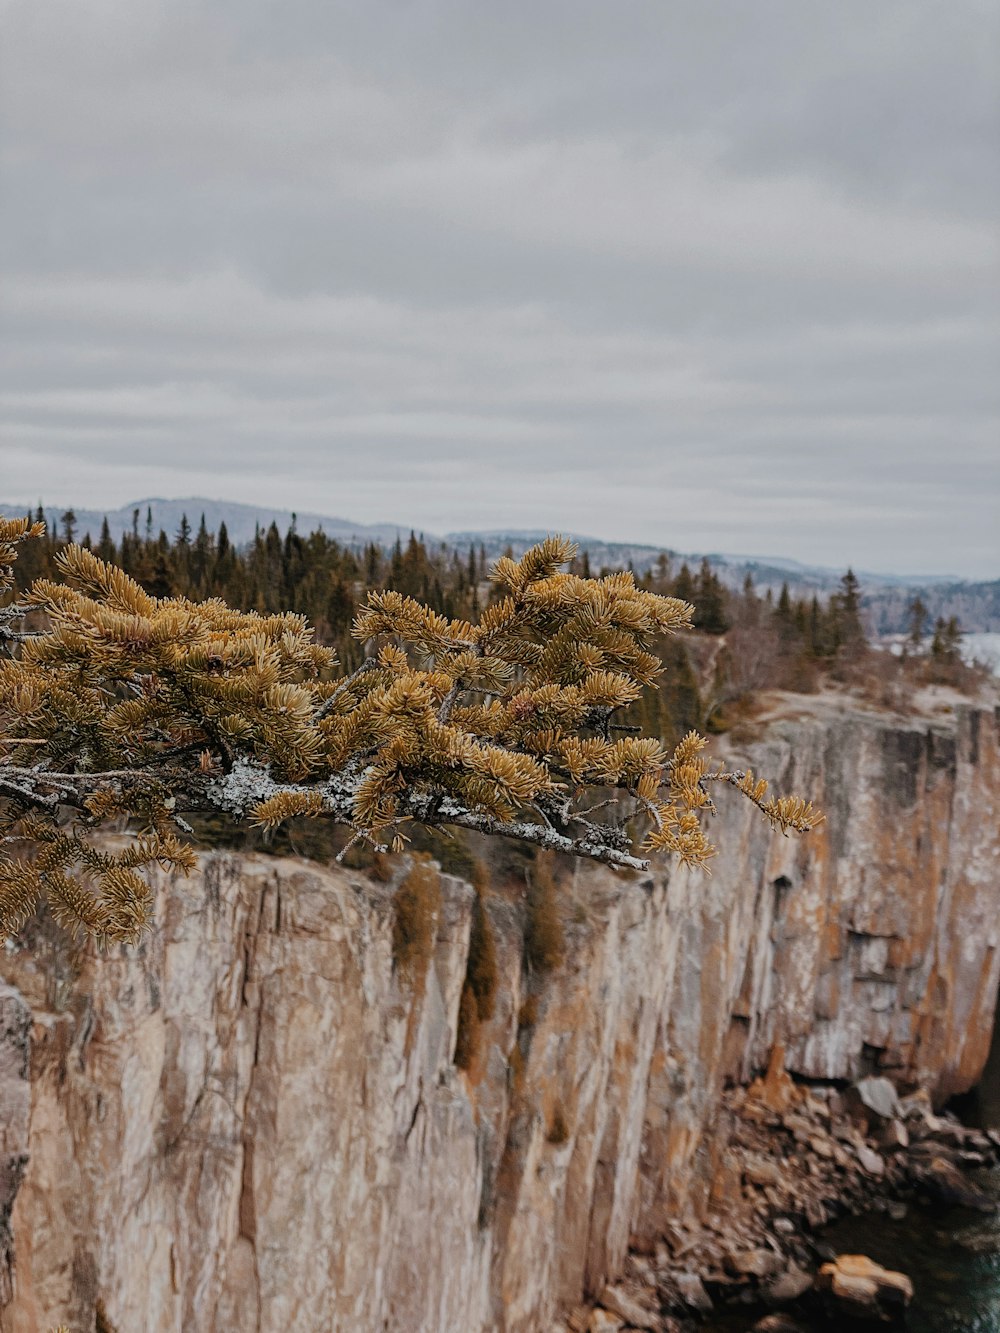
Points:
[[798, 1159]]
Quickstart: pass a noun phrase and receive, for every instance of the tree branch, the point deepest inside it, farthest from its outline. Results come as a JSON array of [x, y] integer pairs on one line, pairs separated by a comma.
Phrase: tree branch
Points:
[[328, 705]]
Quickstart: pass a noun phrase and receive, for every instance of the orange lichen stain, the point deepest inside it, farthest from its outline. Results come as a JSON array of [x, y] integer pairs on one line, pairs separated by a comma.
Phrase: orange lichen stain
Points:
[[681, 1141], [775, 1090], [726, 1187], [833, 936], [975, 1051], [715, 965], [897, 955]]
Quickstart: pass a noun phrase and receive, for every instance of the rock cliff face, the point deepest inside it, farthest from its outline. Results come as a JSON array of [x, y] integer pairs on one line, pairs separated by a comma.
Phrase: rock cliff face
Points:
[[254, 1121]]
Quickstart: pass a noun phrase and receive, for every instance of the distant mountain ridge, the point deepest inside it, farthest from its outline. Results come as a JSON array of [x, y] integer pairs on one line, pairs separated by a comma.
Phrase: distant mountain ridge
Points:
[[241, 520], [886, 596]]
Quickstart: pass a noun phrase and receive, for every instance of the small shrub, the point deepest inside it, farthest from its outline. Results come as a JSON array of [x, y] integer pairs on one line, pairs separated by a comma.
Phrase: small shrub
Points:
[[382, 868], [479, 990], [558, 1128], [58, 953], [481, 970], [417, 904], [467, 1040], [102, 1324], [480, 877], [455, 858], [527, 1015], [448, 849], [358, 856], [516, 1065], [544, 944]]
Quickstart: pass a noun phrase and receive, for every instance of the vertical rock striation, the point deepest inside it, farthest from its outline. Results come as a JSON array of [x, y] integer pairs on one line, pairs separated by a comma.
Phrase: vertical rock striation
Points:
[[253, 1122]]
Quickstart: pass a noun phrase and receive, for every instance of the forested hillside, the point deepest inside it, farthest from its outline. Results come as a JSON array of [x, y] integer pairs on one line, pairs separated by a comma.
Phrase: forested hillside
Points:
[[743, 642]]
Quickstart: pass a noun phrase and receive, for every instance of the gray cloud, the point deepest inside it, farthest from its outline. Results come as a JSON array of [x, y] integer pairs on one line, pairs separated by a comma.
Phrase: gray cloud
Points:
[[714, 276]]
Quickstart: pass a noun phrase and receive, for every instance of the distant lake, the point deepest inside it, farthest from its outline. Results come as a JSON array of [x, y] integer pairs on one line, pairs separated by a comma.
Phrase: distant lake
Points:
[[984, 648], [981, 646]]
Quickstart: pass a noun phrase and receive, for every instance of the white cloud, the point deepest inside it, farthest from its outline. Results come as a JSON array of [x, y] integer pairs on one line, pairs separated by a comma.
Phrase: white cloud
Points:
[[643, 271]]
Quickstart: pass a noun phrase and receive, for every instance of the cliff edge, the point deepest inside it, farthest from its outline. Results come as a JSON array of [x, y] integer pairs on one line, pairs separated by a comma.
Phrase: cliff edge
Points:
[[254, 1120]]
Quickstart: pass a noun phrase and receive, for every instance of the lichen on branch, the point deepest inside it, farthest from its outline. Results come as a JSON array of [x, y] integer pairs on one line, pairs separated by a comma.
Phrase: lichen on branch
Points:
[[119, 706]]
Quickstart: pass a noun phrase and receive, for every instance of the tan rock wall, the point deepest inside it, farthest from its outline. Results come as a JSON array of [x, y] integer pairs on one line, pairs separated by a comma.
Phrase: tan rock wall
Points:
[[254, 1122]]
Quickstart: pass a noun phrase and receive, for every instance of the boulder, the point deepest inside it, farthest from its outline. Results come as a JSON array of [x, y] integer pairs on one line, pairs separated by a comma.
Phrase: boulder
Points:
[[972, 1161], [791, 1284], [945, 1184], [845, 1131], [876, 1099], [952, 1133], [798, 1126], [629, 1307], [870, 1161], [818, 1109], [916, 1106], [603, 1321], [894, 1136], [855, 1287], [641, 1268], [817, 1214], [693, 1293], [924, 1126], [777, 1323], [760, 1171], [760, 1262]]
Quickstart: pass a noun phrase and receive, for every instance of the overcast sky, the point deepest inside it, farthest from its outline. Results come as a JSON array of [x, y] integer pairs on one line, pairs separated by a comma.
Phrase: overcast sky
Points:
[[714, 275]]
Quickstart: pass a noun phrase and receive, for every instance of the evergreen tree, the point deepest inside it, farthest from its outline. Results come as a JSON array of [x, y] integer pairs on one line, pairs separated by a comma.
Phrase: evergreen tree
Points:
[[845, 609], [684, 585], [340, 607], [918, 614], [947, 641], [106, 548], [125, 708], [710, 602], [201, 559], [396, 564], [817, 641], [784, 614]]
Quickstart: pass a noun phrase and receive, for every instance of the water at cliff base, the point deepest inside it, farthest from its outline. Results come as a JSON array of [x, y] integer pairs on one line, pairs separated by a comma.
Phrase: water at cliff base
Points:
[[952, 1258]]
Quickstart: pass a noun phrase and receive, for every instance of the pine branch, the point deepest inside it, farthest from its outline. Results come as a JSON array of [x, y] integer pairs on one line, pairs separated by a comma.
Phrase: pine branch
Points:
[[347, 684], [145, 709]]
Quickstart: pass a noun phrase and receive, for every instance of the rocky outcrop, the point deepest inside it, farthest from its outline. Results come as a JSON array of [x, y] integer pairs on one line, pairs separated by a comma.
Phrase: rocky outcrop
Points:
[[254, 1121], [860, 1289], [795, 1158], [15, 1109]]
